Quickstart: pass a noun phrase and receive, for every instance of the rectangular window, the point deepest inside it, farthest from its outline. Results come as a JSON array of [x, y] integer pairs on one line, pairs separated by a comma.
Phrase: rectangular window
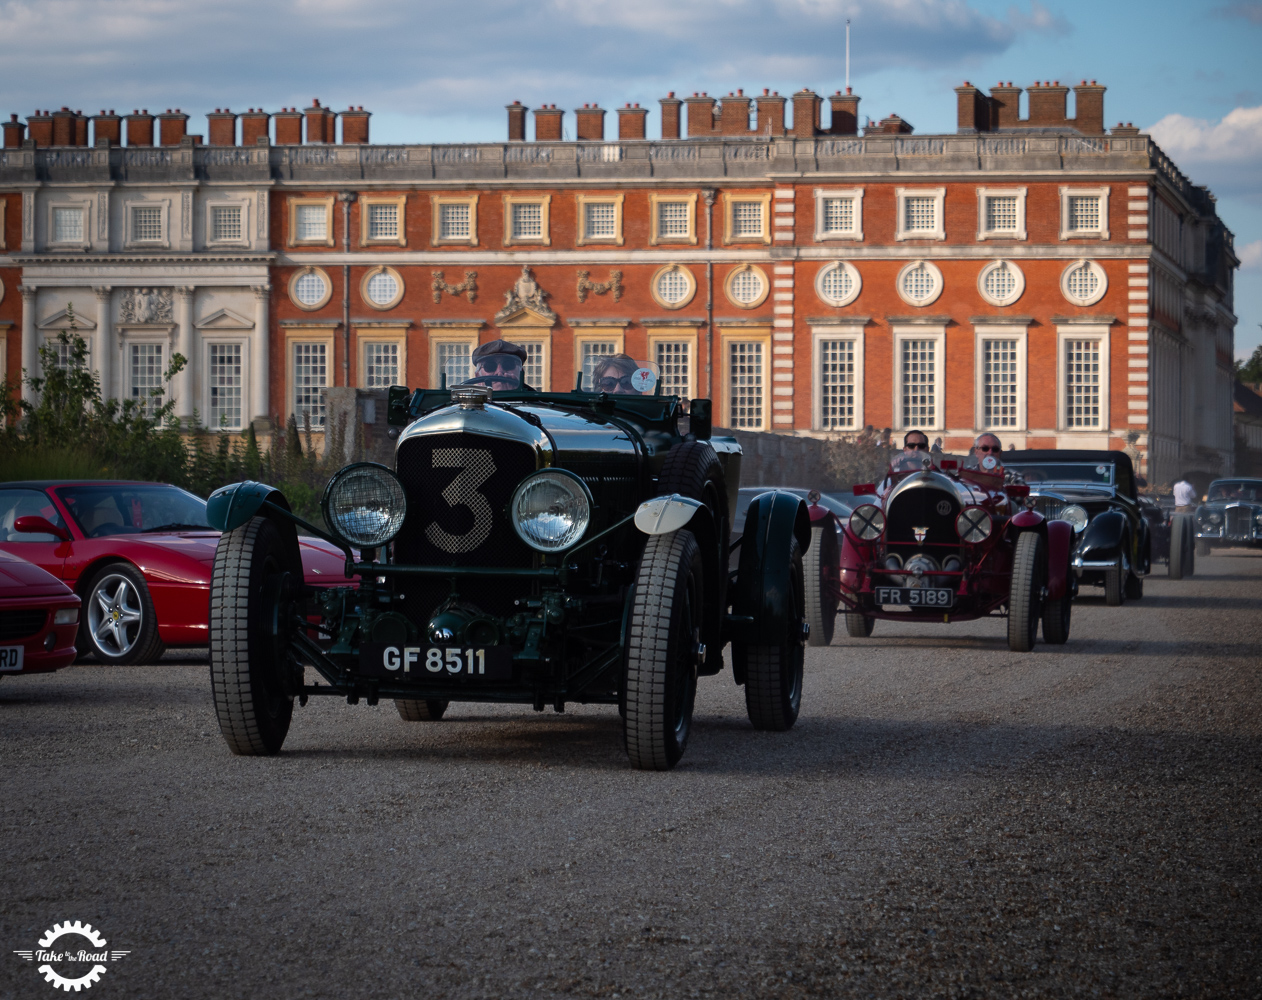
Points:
[[225, 223], [745, 385], [592, 352], [600, 220], [1084, 213], [65, 354], [453, 222], [1082, 383], [836, 384], [312, 222], [532, 371], [455, 361], [674, 364], [381, 365], [672, 219], [311, 379], [1001, 213], [225, 385], [146, 224], [838, 216], [146, 375], [999, 385], [920, 404], [527, 221], [919, 214], [67, 225], [747, 220], [383, 222]]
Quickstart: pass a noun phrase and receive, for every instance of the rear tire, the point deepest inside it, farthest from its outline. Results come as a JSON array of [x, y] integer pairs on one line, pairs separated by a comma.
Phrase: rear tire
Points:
[[773, 674], [247, 663], [1202, 547], [660, 684], [820, 572], [1057, 614], [1028, 579], [1190, 558], [1115, 585], [1177, 561], [421, 709], [1134, 587], [859, 626]]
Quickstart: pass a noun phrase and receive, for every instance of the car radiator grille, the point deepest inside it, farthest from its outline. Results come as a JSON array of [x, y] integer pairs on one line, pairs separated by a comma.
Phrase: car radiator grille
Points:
[[1238, 521], [925, 507], [458, 488], [21, 624], [1049, 507]]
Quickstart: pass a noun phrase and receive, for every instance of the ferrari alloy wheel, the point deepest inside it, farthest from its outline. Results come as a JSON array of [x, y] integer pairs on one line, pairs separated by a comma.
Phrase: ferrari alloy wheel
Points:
[[1029, 576], [421, 709], [663, 650], [773, 674], [821, 570], [119, 625], [1115, 588], [251, 673]]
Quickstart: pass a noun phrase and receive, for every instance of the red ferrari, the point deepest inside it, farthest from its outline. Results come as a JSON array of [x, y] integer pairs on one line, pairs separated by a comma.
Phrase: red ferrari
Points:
[[138, 554], [39, 617]]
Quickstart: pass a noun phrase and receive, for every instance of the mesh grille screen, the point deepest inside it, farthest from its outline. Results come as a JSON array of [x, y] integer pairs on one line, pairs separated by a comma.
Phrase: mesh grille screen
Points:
[[918, 508], [1238, 519], [20, 624]]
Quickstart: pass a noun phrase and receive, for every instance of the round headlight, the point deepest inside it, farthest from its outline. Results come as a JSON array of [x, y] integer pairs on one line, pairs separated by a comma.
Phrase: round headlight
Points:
[[867, 521], [551, 510], [1215, 517], [364, 504], [973, 525], [1258, 517], [1075, 515]]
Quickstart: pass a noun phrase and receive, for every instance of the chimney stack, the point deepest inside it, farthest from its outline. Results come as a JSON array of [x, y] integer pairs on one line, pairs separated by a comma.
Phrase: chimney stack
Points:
[[548, 123], [321, 123], [288, 127], [1089, 108], [41, 128], [63, 127], [355, 126], [172, 127], [893, 125], [632, 122], [107, 129], [700, 114], [222, 127], [771, 114], [972, 109], [589, 123], [734, 114], [140, 128], [80, 128], [670, 116], [516, 121], [14, 133], [845, 113], [806, 104], [254, 127], [1005, 100], [1047, 105]]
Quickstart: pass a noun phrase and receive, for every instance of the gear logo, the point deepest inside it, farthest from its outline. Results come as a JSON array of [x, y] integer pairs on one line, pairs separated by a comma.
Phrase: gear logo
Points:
[[71, 960]]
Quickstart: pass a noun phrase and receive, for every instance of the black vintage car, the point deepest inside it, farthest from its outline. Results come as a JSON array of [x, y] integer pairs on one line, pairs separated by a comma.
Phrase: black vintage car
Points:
[[1096, 492], [1230, 515], [528, 547]]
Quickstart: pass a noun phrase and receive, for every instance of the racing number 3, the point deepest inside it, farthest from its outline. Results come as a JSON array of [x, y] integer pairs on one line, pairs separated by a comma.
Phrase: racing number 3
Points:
[[476, 467]]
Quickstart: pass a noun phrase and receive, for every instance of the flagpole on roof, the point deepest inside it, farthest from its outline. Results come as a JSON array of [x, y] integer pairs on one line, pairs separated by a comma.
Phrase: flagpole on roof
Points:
[[847, 55]]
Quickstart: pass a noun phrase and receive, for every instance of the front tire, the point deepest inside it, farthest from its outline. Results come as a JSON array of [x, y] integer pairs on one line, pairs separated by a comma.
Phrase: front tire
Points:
[[1134, 587], [1115, 584], [773, 674], [1202, 547], [247, 660], [859, 626], [660, 683], [1178, 546], [421, 709], [1025, 595], [1056, 615], [119, 626], [821, 572]]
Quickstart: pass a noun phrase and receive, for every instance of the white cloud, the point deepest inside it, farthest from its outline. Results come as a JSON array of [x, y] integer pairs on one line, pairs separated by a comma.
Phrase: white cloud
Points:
[[1250, 256], [1223, 154]]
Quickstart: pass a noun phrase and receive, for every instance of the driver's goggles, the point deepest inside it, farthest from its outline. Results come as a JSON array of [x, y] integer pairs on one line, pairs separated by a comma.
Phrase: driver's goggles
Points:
[[499, 366]]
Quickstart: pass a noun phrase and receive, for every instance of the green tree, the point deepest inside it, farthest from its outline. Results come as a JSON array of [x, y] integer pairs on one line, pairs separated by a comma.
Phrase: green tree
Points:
[[1251, 370]]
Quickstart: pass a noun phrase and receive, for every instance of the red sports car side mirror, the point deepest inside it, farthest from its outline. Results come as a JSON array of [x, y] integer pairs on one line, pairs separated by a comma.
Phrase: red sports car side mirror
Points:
[[33, 524]]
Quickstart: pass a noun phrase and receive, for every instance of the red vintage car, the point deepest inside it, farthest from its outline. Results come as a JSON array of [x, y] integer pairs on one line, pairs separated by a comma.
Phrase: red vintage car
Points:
[[935, 542], [138, 554], [39, 618]]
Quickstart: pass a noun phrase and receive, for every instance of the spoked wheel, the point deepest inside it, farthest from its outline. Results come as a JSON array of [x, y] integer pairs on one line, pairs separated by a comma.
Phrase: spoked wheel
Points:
[[421, 709], [1029, 575], [1115, 588], [252, 674], [821, 571], [119, 624], [773, 674], [663, 647]]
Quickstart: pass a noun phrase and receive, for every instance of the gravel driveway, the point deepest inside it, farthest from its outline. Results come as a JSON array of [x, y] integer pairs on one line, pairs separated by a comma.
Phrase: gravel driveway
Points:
[[947, 819]]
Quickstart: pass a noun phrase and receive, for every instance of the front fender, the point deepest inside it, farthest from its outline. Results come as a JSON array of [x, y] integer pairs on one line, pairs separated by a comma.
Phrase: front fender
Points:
[[1060, 542], [762, 596], [231, 506], [1104, 536]]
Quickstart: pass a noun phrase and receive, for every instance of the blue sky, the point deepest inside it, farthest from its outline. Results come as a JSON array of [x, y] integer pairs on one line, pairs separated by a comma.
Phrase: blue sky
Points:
[[435, 72]]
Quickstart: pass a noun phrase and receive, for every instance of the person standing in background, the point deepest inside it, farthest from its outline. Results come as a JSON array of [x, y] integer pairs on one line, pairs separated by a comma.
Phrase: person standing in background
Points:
[[1184, 496]]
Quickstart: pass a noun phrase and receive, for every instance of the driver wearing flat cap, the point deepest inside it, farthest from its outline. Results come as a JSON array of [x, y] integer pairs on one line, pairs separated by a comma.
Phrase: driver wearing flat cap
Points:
[[498, 365]]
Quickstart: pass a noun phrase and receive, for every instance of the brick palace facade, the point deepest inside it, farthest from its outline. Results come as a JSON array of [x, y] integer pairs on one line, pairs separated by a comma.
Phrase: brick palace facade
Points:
[[1058, 283]]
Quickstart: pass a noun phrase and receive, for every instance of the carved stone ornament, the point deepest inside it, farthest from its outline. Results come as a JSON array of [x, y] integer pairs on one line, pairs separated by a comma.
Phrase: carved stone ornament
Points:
[[146, 305], [614, 284], [525, 294], [468, 287]]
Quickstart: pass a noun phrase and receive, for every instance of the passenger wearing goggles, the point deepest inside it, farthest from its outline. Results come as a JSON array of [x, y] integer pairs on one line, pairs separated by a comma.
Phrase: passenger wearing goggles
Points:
[[613, 375], [498, 365]]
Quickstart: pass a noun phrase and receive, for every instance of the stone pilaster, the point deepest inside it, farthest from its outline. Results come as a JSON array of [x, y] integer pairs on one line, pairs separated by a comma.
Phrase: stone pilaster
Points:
[[105, 352], [30, 345], [184, 344], [259, 374]]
